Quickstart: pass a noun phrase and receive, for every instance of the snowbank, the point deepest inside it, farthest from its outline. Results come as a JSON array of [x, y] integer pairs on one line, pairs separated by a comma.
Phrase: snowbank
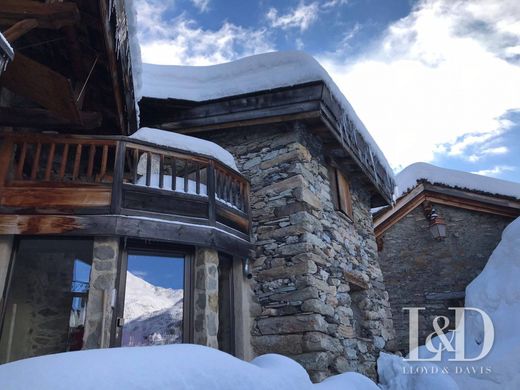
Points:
[[408, 178], [256, 73], [185, 142], [496, 291], [179, 367]]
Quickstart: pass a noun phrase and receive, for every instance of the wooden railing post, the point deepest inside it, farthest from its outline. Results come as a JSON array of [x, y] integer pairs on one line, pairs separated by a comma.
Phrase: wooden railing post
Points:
[[6, 155], [211, 194], [117, 184]]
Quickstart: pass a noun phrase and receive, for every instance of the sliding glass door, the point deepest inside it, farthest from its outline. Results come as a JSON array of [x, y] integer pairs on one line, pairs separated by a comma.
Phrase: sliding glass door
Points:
[[154, 299], [47, 298]]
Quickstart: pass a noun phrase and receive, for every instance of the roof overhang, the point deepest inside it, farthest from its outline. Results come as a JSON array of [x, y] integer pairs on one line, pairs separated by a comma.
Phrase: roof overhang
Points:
[[310, 103], [384, 219]]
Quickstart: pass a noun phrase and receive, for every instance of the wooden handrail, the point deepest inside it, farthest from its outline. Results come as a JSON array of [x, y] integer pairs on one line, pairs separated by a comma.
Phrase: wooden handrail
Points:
[[116, 164]]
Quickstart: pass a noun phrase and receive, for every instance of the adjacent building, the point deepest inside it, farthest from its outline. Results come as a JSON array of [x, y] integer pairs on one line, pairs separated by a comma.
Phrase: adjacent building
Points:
[[437, 238]]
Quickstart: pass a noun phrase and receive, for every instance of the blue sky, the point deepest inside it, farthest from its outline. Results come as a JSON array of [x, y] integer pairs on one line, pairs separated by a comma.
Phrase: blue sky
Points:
[[162, 271], [433, 80]]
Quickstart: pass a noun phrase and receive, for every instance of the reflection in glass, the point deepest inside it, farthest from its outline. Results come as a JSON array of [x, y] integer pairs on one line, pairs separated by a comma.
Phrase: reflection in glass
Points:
[[154, 294], [46, 302]]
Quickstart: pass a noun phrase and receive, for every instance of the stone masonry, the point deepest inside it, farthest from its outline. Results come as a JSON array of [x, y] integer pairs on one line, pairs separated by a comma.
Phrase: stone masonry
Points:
[[319, 289], [206, 298], [102, 283], [419, 269]]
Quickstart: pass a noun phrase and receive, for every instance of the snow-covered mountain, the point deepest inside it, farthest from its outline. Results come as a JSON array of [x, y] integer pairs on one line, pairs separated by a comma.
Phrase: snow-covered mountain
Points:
[[153, 315]]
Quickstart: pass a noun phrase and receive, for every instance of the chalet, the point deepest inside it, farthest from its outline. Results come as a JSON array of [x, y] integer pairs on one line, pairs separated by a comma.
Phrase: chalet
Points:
[[254, 237], [437, 238], [83, 204], [317, 292]]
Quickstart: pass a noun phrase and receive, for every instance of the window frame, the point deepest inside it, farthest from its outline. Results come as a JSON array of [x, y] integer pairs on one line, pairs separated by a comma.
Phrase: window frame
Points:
[[157, 249], [341, 194]]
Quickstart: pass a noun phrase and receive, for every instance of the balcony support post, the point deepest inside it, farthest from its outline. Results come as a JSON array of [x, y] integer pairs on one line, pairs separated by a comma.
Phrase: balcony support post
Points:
[[117, 184]]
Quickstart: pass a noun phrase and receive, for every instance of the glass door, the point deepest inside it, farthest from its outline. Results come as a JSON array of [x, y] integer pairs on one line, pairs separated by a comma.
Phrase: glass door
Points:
[[154, 299], [46, 301]]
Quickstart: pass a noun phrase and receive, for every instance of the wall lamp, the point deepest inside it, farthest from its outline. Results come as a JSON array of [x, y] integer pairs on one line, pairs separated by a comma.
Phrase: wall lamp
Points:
[[437, 223]]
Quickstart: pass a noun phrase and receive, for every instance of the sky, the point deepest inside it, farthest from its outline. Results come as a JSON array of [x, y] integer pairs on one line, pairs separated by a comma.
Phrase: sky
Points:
[[162, 271], [433, 80]]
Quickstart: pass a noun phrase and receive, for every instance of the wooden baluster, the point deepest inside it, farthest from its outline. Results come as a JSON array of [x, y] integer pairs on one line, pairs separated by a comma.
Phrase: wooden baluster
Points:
[[136, 164], [212, 174], [63, 163], [186, 166], [161, 170], [91, 154], [77, 161], [36, 161], [104, 161], [148, 169], [228, 189], [197, 178], [50, 160], [21, 162], [174, 174]]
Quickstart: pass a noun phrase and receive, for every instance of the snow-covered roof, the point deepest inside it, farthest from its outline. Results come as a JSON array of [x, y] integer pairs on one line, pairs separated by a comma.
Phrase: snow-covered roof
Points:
[[185, 142], [408, 178], [251, 74]]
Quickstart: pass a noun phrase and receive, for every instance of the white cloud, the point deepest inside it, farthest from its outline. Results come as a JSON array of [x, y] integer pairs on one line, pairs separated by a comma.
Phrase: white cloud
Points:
[[495, 171], [183, 42], [202, 5], [303, 16], [300, 17], [433, 85]]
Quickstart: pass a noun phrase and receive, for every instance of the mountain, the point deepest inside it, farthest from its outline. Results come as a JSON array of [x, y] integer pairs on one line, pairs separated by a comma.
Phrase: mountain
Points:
[[153, 314]]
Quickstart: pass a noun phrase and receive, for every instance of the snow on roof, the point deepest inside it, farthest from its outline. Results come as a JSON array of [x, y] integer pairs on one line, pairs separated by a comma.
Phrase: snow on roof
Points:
[[135, 50], [251, 74], [412, 174], [185, 142]]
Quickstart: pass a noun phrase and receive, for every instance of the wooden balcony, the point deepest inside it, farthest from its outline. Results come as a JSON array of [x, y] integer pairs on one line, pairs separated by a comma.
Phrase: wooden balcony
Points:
[[119, 176]]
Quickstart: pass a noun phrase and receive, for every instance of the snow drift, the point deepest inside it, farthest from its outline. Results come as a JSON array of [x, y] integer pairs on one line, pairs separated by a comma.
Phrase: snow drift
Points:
[[496, 291], [179, 367]]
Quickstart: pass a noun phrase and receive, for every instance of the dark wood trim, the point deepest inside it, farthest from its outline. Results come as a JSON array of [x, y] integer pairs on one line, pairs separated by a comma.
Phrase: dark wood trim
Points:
[[48, 15], [117, 183], [447, 196], [46, 120]]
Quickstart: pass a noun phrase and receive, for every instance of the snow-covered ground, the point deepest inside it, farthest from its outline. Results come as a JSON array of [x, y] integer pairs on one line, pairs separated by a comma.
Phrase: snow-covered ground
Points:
[[153, 314], [175, 367], [408, 178], [496, 291]]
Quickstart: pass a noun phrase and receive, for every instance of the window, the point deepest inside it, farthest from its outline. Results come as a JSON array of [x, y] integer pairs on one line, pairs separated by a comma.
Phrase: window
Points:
[[340, 190], [155, 305], [46, 302]]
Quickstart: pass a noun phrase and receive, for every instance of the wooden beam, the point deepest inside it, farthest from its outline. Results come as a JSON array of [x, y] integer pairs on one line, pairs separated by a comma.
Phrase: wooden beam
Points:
[[41, 84], [48, 15], [19, 28], [44, 119]]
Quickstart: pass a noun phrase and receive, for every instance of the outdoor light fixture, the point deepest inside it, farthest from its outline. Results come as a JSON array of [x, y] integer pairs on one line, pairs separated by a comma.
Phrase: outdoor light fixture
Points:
[[437, 223], [246, 268]]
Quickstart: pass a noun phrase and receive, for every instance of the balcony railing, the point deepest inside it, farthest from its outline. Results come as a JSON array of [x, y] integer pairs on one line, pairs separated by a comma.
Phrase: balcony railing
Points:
[[119, 175]]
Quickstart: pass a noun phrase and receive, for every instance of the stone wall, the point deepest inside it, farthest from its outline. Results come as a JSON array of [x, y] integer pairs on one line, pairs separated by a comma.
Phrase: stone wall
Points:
[[414, 264], [205, 297], [102, 284], [309, 257]]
